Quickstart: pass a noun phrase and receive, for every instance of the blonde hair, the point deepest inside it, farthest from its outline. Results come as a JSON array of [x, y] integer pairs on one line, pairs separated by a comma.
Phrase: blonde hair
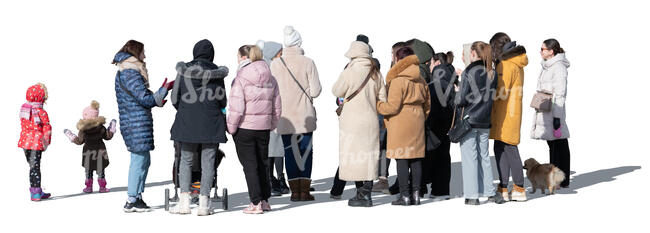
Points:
[[484, 52], [44, 90], [252, 52]]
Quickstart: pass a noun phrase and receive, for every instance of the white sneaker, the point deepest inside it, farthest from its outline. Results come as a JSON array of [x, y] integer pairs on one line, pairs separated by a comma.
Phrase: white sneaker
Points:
[[183, 205], [204, 206]]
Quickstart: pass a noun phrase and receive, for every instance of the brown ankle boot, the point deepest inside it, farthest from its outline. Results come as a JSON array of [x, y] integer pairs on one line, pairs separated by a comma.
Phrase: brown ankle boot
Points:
[[294, 185], [304, 190]]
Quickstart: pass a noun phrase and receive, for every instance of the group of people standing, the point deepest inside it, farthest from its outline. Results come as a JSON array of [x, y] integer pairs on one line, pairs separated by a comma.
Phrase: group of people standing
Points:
[[271, 116], [426, 104]]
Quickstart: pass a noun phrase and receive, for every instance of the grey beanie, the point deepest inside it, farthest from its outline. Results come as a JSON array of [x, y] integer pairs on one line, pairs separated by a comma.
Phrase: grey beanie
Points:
[[271, 49]]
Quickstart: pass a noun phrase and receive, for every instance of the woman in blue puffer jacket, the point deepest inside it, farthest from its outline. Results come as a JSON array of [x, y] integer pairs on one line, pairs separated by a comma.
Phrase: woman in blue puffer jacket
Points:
[[135, 101]]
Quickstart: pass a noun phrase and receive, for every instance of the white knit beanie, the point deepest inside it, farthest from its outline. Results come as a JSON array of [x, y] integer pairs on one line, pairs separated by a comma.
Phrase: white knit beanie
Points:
[[291, 37]]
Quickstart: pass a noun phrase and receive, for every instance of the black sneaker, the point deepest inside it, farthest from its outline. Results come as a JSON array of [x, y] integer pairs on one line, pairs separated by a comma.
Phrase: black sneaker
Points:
[[129, 207], [141, 206]]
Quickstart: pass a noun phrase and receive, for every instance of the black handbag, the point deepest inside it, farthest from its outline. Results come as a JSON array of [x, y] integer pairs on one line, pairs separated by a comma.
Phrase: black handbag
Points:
[[459, 128], [432, 140]]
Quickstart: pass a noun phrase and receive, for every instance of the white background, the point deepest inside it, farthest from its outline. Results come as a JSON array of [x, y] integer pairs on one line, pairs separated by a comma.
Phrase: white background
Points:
[[69, 47]]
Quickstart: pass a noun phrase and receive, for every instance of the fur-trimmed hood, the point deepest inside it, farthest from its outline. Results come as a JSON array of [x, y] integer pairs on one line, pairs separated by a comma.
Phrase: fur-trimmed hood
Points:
[[198, 71], [407, 68], [516, 51], [127, 61], [90, 123]]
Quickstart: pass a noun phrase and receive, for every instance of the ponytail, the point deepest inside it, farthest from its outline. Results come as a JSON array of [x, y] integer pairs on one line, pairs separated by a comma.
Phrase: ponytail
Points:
[[484, 52], [450, 57], [254, 53]]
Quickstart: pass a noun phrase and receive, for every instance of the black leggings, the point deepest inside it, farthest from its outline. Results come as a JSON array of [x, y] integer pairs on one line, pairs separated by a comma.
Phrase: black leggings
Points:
[[100, 174], [279, 166], [560, 156], [403, 166], [34, 159]]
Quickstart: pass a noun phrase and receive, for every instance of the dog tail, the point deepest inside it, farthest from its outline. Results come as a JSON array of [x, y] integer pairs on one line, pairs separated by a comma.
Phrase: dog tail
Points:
[[557, 175]]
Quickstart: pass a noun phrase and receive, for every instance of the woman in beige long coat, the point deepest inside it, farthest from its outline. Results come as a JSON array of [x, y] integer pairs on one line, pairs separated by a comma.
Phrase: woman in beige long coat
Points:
[[358, 128], [405, 111]]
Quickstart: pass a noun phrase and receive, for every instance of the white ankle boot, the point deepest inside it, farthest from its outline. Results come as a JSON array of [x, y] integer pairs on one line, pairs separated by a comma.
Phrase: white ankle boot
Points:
[[183, 206], [204, 206]]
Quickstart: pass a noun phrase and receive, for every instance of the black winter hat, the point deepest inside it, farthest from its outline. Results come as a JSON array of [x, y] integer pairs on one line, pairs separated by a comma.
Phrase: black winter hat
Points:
[[204, 50]]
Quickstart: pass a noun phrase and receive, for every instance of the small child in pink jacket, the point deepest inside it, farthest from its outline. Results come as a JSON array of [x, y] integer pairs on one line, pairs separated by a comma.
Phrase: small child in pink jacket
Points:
[[254, 110]]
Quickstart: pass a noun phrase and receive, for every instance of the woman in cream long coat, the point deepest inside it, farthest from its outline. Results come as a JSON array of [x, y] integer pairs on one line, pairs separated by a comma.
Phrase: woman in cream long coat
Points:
[[358, 128]]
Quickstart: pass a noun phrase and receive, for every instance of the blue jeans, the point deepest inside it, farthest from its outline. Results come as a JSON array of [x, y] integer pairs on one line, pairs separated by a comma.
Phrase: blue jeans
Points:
[[474, 151], [298, 165], [138, 170]]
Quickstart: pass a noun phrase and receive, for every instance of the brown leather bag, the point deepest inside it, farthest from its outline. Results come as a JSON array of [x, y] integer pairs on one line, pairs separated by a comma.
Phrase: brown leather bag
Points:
[[340, 108], [542, 101]]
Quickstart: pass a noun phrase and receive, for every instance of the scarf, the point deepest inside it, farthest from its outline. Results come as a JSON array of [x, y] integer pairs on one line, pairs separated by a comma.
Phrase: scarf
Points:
[[29, 110]]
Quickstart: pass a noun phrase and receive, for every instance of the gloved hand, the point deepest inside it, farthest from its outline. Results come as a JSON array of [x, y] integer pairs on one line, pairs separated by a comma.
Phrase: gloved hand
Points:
[[70, 135], [167, 85], [556, 123], [112, 126]]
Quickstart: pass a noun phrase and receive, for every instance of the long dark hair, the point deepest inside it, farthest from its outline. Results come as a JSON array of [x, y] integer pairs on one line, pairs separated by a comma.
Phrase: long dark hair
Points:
[[497, 42], [132, 47], [444, 58], [553, 44]]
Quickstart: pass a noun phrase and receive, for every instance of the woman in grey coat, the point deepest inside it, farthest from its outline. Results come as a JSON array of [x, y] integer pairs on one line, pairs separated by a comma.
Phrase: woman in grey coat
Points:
[[551, 125]]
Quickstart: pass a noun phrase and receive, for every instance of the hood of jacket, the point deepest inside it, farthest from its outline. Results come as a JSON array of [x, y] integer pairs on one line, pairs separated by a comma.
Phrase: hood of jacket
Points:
[[85, 124], [256, 73], [516, 56], [201, 69], [558, 58], [358, 49], [127, 61], [407, 68], [36, 93], [204, 50]]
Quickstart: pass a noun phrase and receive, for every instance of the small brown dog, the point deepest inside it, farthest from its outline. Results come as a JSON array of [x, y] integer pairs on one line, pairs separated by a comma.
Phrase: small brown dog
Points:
[[543, 176]]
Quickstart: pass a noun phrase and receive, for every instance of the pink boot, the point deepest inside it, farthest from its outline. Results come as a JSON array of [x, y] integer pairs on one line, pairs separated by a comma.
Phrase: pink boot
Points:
[[89, 186], [102, 185]]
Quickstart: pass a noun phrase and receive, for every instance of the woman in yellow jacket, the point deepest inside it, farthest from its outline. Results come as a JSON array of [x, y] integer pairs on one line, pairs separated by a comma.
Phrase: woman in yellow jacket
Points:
[[506, 114]]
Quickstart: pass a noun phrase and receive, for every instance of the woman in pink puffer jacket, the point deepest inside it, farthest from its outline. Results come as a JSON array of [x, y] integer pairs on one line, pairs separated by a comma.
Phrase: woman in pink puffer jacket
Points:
[[254, 110]]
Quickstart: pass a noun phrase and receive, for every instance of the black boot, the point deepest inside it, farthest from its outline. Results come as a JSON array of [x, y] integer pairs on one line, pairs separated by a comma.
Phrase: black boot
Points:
[[275, 187], [284, 189], [402, 200], [416, 197], [363, 197]]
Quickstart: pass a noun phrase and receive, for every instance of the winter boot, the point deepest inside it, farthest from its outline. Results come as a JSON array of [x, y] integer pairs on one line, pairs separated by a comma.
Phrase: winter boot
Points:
[[35, 193], [416, 197], [89, 186], [295, 190], [204, 206], [381, 185], [518, 193], [44, 195], [305, 188], [183, 205], [363, 197], [283, 185], [275, 187], [102, 185], [402, 200], [503, 192]]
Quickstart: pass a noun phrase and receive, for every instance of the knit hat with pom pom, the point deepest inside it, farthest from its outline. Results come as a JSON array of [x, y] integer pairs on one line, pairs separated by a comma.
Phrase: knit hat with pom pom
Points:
[[91, 111], [291, 37]]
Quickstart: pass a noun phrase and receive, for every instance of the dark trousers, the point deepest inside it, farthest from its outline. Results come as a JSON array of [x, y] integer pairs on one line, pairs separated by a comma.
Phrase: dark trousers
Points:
[[560, 156], [441, 169], [302, 145], [406, 167], [253, 152], [339, 185], [508, 162], [34, 159]]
